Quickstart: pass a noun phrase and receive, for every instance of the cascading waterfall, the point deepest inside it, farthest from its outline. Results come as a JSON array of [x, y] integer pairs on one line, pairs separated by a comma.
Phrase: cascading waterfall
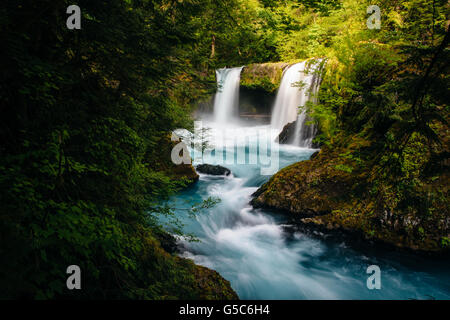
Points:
[[296, 88], [304, 133], [227, 96], [288, 97], [264, 255]]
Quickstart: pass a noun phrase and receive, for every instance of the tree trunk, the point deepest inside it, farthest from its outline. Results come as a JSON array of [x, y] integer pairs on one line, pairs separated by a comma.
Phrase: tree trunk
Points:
[[213, 46]]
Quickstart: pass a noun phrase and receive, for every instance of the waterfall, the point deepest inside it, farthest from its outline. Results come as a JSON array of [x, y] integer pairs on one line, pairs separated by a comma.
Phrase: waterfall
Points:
[[296, 88], [304, 133], [227, 96], [288, 97]]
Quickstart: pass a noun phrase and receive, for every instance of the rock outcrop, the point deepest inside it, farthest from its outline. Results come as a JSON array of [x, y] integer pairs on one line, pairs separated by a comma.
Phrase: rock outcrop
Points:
[[307, 188], [183, 173], [215, 170], [211, 285], [287, 135], [181, 278], [266, 76], [329, 193]]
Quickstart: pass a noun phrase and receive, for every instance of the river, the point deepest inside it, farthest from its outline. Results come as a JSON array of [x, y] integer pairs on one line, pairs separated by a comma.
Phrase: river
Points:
[[263, 258]]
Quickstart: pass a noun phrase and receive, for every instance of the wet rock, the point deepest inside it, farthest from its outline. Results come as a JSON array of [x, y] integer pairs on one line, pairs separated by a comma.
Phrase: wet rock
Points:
[[286, 135], [265, 76], [168, 242], [321, 193], [314, 155], [214, 170], [184, 172], [307, 188]]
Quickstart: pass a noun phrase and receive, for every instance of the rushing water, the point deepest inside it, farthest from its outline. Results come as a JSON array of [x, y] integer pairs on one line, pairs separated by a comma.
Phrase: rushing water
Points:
[[227, 96], [299, 84], [289, 97], [264, 259], [304, 132], [261, 253]]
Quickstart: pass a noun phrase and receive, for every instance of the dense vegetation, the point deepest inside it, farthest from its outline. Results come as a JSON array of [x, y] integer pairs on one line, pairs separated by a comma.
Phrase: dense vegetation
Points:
[[85, 114], [383, 120], [384, 102]]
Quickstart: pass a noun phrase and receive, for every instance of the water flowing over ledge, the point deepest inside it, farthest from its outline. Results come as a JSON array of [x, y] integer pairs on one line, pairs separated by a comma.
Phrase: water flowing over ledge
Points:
[[260, 252], [227, 96], [265, 257], [299, 85]]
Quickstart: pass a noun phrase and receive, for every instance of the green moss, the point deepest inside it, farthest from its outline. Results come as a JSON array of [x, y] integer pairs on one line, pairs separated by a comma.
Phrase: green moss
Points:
[[163, 276], [265, 76], [182, 174], [324, 192]]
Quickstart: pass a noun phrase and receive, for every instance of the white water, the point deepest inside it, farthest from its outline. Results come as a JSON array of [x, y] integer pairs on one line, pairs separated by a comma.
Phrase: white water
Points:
[[227, 96], [304, 132], [290, 97], [262, 253], [265, 257]]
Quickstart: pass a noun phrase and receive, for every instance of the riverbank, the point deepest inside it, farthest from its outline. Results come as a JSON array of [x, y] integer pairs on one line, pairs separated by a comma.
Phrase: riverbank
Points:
[[268, 255], [324, 193]]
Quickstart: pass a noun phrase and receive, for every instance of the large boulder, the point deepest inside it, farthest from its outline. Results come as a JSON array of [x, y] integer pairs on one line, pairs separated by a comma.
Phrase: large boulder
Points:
[[306, 188], [331, 193], [167, 241], [287, 135], [215, 170]]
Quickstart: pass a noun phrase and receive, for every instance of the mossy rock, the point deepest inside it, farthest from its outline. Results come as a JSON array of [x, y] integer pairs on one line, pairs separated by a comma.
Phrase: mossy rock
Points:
[[266, 76], [212, 286], [330, 192], [165, 276], [183, 173], [307, 188]]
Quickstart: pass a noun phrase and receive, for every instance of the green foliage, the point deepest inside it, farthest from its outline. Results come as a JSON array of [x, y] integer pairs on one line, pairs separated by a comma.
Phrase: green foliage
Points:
[[386, 88], [383, 101], [344, 168], [84, 113], [445, 242]]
